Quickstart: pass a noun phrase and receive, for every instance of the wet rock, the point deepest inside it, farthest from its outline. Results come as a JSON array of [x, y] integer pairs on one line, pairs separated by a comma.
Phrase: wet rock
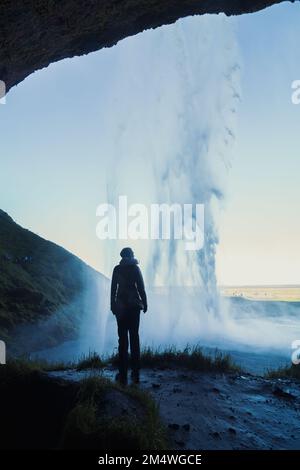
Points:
[[180, 443], [36, 33], [281, 393], [215, 390], [155, 385], [232, 431], [186, 427], [216, 435], [232, 377], [173, 426], [184, 376]]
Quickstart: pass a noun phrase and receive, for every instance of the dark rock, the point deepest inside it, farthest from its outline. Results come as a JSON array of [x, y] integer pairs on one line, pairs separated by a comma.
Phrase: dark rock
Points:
[[184, 376], [180, 443], [173, 426], [231, 430], [55, 281], [34, 418], [37, 33], [216, 435], [154, 385], [279, 392], [186, 427]]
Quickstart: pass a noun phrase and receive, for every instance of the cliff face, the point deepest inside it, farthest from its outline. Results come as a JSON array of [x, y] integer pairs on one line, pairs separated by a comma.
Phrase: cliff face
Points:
[[44, 289], [34, 33]]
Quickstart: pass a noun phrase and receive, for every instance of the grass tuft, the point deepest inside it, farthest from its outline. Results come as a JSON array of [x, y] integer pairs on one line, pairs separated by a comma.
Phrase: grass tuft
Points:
[[91, 425], [287, 372], [92, 414], [91, 361], [192, 357]]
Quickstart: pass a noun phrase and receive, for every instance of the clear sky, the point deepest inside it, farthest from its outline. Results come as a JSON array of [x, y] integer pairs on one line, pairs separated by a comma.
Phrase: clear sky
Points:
[[53, 121], [260, 229]]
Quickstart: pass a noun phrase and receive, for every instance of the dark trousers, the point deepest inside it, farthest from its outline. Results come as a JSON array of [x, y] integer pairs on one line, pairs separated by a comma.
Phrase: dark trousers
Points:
[[128, 325]]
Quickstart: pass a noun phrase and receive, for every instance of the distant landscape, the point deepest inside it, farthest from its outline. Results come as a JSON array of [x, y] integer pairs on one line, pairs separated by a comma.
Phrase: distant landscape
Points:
[[288, 293]]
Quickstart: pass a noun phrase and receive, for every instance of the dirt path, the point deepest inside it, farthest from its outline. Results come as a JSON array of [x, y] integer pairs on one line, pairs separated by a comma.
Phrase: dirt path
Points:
[[221, 411]]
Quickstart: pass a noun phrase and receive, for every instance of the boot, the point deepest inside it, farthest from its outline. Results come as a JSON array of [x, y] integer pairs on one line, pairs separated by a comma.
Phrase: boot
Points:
[[135, 376], [121, 378]]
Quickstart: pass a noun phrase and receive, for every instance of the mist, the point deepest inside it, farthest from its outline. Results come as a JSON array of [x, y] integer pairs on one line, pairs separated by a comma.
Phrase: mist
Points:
[[169, 113], [172, 143]]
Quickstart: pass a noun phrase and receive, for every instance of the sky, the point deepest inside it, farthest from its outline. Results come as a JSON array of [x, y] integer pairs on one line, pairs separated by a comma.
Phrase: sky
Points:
[[51, 150], [260, 228]]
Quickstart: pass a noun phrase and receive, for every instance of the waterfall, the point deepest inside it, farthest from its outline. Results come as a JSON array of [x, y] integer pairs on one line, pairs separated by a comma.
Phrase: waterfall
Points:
[[170, 110]]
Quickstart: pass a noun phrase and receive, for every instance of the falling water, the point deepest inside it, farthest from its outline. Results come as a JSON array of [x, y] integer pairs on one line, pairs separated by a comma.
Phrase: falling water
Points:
[[169, 104], [170, 107]]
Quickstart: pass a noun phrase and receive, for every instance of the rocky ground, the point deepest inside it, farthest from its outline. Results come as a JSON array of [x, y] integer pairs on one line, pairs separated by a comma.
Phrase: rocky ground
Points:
[[220, 411]]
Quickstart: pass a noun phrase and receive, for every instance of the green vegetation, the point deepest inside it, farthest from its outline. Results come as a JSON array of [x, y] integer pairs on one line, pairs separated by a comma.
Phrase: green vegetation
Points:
[[94, 413], [41, 289], [192, 357], [287, 372], [15, 369], [38, 411], [128, 419], [91, 361], [20, 368]]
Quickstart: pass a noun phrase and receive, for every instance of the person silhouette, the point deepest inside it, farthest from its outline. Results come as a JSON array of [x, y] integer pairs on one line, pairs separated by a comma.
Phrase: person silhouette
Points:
[[128, 298]]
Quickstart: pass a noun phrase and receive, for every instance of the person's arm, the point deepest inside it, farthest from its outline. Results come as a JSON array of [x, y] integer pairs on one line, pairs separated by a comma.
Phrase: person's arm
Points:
[[141, 289], [113, 291]]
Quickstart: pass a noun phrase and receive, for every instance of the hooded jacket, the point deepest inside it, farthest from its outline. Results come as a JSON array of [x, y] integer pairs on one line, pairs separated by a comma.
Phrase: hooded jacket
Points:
[[127, 287]]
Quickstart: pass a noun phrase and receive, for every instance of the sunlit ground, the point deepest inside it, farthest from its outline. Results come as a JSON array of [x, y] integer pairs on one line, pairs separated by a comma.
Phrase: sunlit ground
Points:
[[279, 293]]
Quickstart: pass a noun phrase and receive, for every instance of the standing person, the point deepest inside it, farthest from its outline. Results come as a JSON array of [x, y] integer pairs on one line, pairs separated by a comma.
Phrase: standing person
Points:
[[128, 298]]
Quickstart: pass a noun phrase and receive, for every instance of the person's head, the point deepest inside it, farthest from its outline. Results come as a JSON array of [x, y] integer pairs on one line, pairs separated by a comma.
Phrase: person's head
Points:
[[127, 253]]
